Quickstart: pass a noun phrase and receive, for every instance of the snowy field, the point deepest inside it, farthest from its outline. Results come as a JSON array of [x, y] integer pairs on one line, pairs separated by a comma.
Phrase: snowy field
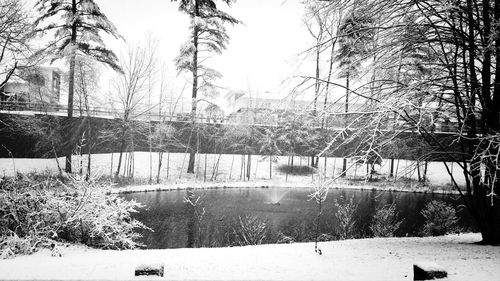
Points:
[[365, 259], [229, 169]]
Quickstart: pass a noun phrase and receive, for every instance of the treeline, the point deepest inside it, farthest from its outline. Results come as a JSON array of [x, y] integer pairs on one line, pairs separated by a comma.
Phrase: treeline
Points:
[[45, 136]]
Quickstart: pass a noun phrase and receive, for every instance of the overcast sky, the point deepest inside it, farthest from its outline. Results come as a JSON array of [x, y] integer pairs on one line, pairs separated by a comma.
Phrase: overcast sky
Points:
[[263, 51]]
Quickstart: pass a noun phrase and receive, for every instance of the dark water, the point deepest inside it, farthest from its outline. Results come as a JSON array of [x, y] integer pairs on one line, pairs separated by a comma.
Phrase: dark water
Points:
[[215, 220]]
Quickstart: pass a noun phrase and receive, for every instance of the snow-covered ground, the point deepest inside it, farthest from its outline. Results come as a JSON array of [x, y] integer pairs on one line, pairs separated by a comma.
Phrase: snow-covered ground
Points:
[[229, 168], [364, 259]]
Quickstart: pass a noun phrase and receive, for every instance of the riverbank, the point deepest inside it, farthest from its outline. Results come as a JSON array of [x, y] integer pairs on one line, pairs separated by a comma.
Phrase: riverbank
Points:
[[228, 173], [363, 259], [232, 168], [382, 185]]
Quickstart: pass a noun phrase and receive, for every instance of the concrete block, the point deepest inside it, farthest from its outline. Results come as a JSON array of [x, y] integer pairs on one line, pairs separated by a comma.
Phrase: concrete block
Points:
[[428, 271], [150, 269]]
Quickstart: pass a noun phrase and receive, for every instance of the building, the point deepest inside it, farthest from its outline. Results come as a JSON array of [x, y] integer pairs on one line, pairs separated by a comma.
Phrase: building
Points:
[[33, 86], [268, 110]]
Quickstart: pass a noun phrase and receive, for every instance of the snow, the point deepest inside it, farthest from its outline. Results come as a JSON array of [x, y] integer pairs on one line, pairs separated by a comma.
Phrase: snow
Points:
[[101, 165], [429, 266], [364, 259]]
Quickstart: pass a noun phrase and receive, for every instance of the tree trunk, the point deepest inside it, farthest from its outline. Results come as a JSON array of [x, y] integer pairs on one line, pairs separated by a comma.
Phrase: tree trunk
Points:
[[346, 121], [205, 170], [71, 82], [426, 164], [89, 147], [256, 168], [330, 71], [192, 159], [198, 160], [451, 177], [334, 166], [314, 161], [125, 164], [192, 155], [216, 170], [286, 170], [120, 157], [160, 162], [344, 167], [485, 195], [397, 169], [150, 153], [249, 166], [111, 166], [317, 226], [231, 169], [122, 148], [242, 168], [419, 177], [168, 164], [324, 168], [270, 166]]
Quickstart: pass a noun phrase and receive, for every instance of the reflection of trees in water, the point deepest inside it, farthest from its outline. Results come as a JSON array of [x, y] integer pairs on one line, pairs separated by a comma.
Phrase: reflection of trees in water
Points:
[[213, 219]]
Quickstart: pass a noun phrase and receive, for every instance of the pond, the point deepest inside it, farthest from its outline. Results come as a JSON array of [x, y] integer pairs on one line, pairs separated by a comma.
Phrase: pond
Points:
[[235, 216]]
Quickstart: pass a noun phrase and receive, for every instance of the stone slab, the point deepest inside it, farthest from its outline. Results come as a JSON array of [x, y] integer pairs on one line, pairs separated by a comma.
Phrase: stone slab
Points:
[[150, 269], [428, 271]]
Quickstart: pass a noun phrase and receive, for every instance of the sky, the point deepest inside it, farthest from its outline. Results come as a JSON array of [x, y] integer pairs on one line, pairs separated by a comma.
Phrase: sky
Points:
[[263, 52]]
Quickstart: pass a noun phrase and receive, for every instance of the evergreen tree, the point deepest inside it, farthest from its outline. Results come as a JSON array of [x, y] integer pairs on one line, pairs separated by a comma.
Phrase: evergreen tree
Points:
[[208, 36], [76, 26], [353, 43]]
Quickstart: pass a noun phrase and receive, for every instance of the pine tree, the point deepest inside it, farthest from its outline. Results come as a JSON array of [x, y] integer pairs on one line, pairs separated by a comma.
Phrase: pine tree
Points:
[[352, 49], [208, 36], [76, 27]]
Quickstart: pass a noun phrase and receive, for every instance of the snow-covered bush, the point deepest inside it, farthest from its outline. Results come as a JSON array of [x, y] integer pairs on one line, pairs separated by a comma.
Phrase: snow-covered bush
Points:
[[251, 230], [385, 221], [440, 218], [346, 221], [12, 245], [284, 239], [75, 211]]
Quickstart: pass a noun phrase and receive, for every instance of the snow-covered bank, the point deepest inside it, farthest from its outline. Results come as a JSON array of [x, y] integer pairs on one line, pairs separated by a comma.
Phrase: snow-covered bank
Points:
[[229, 168], [341, 184], [365, 259]]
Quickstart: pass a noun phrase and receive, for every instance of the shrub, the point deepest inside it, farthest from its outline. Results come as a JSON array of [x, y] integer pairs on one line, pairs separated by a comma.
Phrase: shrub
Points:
[[284, 239], [75, 211], [296, 170], [440, 218], [346, 221], [12, 245], [385, 221], [250, 230]]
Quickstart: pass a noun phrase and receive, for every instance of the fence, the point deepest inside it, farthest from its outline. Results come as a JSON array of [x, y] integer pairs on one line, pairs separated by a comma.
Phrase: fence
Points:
[[332, 121]]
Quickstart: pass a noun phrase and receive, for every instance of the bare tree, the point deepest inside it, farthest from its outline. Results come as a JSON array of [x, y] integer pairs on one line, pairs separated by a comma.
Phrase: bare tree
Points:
[[441, 61], [130, 88], [86, 83], [15, 33]]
